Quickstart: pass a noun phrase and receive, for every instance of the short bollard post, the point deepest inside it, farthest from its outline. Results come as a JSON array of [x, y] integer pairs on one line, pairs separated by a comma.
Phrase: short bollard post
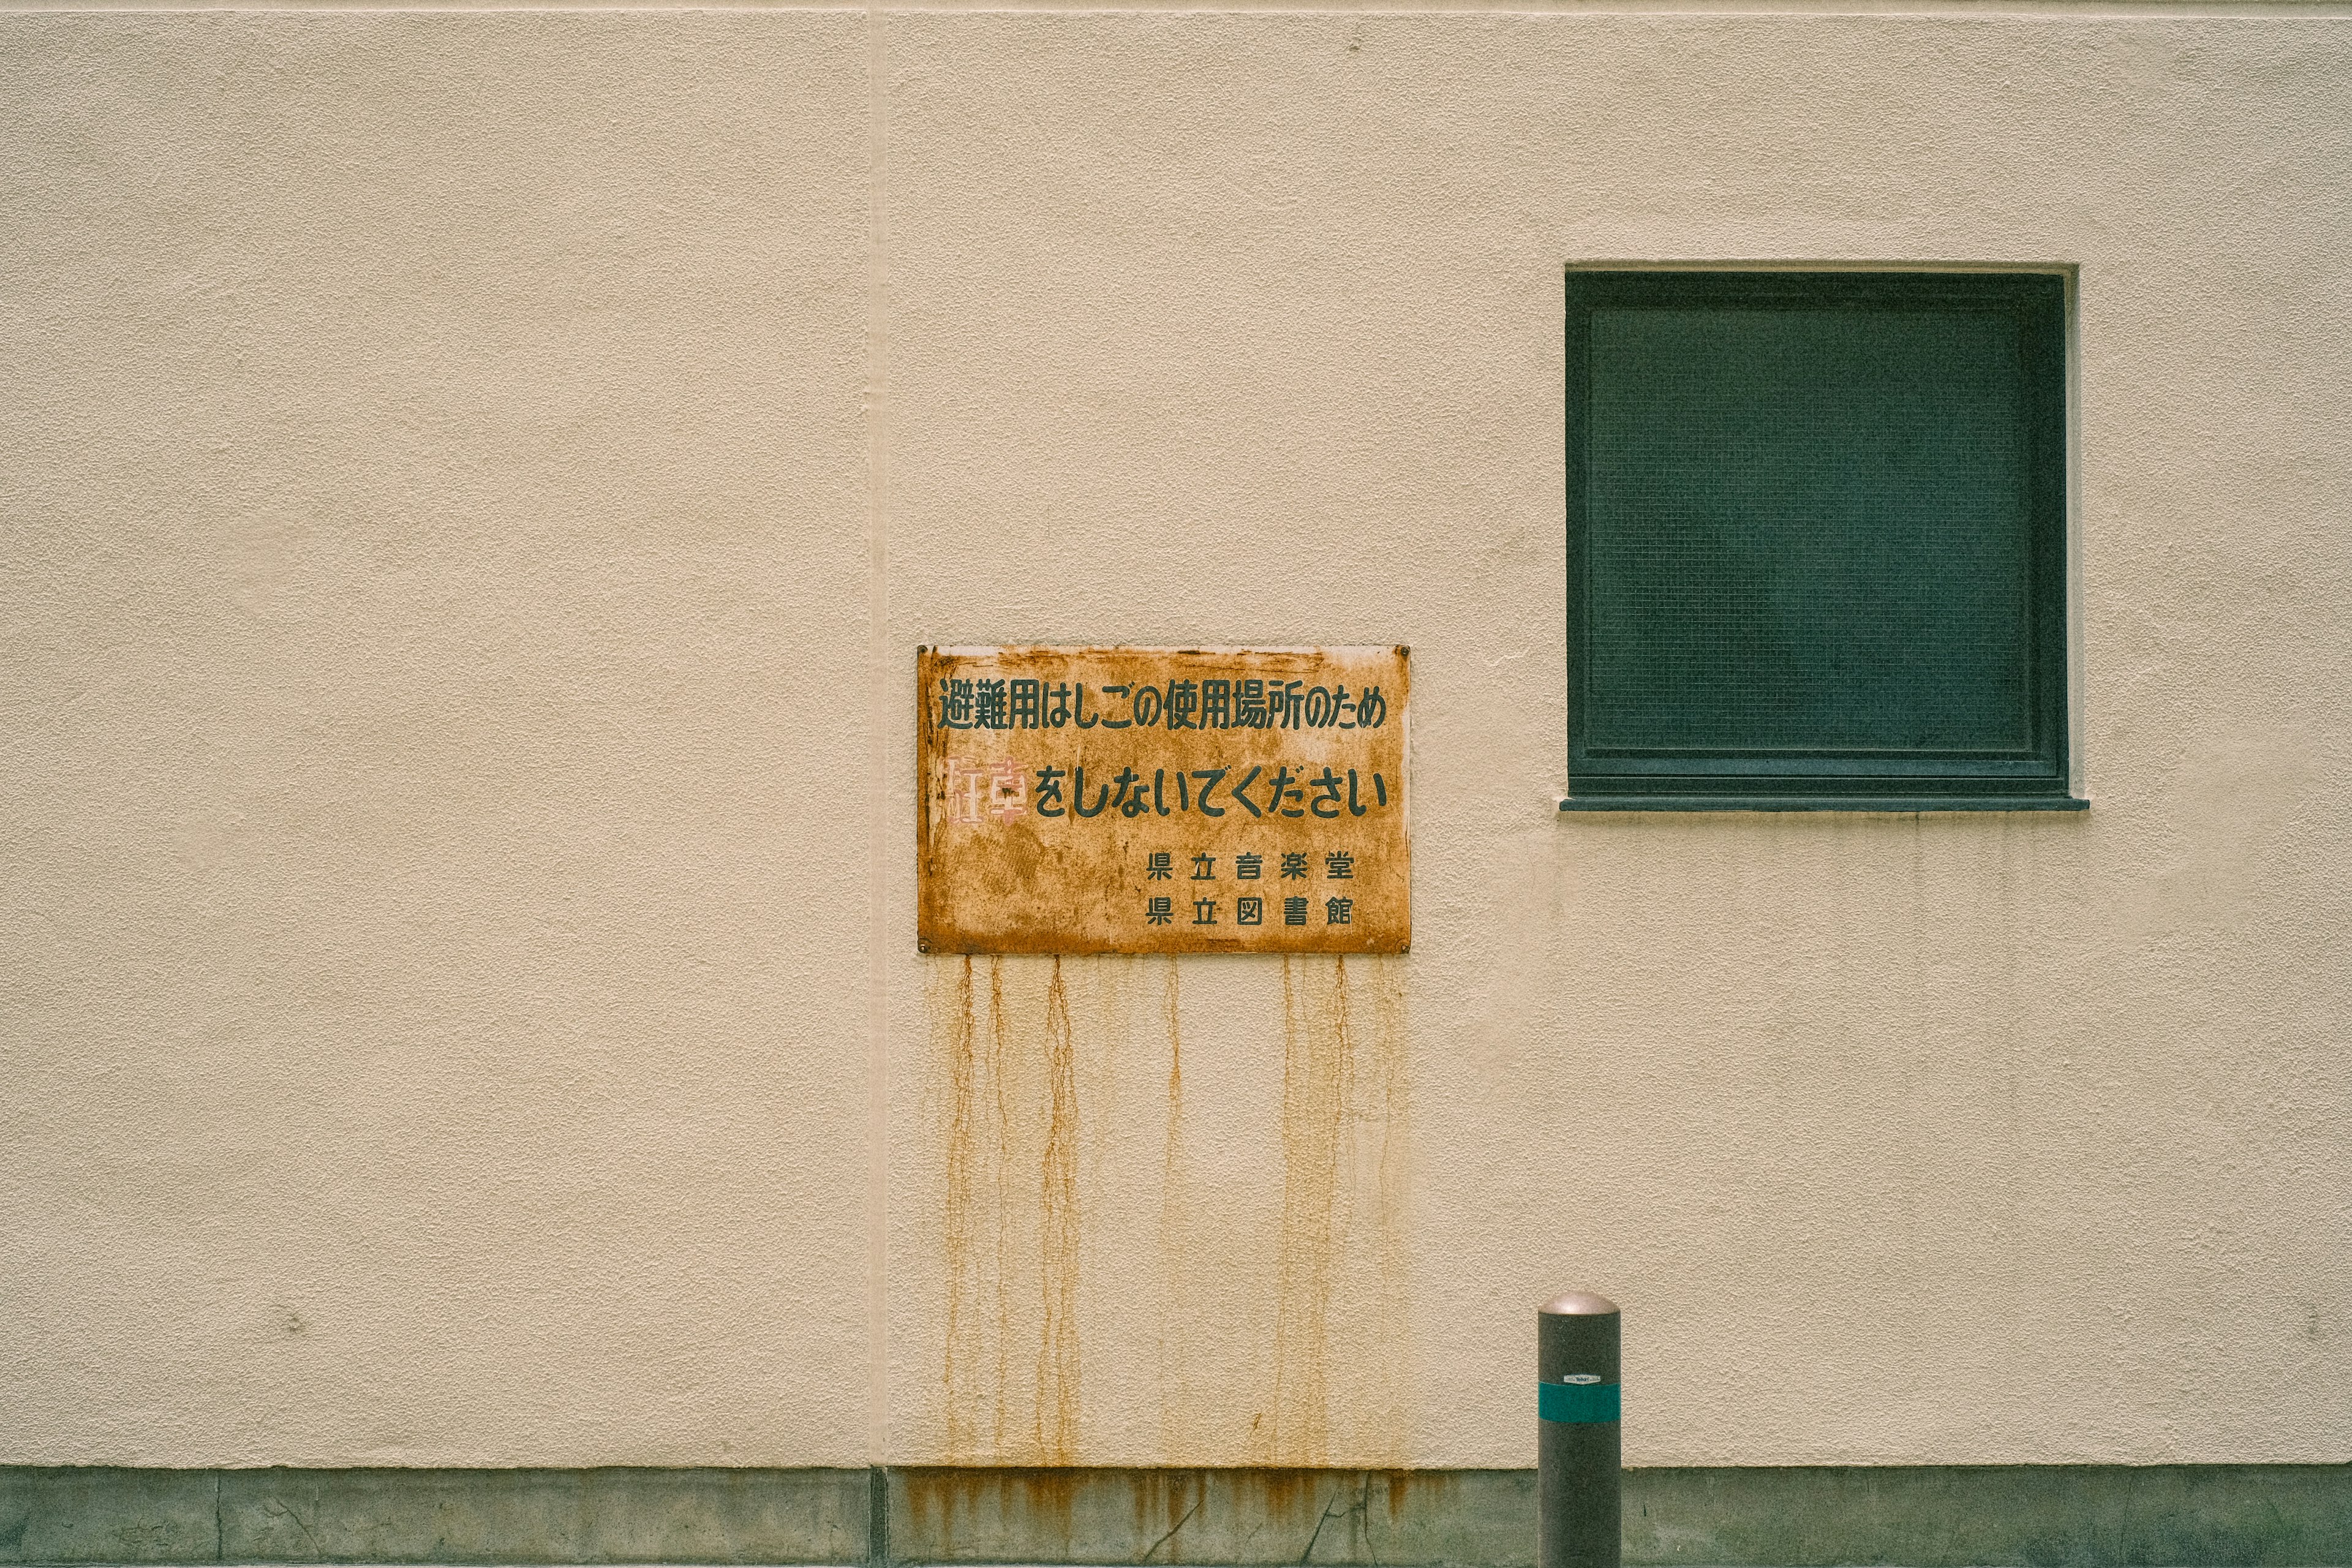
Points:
[[1578, 1453]]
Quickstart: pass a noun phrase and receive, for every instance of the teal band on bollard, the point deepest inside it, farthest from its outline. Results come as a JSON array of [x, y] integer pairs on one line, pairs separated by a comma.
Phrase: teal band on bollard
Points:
[[1578, 1403]]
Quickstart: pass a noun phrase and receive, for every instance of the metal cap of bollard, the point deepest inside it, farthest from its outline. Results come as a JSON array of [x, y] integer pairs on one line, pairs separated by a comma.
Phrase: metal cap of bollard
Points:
[[1576, 1342]]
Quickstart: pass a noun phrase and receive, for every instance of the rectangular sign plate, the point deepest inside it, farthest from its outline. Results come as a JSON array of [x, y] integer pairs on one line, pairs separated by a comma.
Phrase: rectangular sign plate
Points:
[[1162, 800]]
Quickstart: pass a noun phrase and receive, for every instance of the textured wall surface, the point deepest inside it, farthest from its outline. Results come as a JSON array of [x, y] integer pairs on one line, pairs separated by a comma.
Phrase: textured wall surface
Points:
[[433, 604], [472, 486]]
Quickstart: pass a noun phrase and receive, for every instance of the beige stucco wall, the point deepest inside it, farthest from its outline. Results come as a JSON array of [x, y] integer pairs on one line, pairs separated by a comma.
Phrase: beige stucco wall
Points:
[[470, 485]]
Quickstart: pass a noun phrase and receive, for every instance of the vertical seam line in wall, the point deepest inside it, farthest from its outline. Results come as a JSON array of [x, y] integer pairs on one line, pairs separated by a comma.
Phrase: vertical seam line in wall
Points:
[[878, 1016]]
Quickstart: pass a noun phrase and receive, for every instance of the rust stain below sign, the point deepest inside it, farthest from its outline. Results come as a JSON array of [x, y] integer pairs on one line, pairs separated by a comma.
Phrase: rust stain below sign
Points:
[[1162, 800]]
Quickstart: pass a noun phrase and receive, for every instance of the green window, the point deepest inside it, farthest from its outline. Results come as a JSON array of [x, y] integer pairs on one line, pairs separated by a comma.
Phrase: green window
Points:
[[1817, 539]]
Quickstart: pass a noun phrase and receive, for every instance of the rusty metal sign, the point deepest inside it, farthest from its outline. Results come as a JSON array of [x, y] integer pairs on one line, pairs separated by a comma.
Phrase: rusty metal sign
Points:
[[1162, 800]]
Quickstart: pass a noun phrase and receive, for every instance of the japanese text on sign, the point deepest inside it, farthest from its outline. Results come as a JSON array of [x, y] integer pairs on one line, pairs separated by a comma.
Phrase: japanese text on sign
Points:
[[1066, 791]]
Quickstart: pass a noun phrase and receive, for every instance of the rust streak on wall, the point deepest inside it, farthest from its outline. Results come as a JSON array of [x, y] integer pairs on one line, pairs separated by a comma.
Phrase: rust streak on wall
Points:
[[1177, 1417], [1341, 1329], [1056, 1416], [1011, 1209], [1388, 1403], [962, 1070], [1296, 1426], [1281, 1326], [1437, 1485], [1200, 1515], [1000, 1176], [1175, 1062]]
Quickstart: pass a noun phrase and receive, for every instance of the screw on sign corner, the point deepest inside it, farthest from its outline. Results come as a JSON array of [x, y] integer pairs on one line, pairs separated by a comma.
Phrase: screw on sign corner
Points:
[[1579, 1451]]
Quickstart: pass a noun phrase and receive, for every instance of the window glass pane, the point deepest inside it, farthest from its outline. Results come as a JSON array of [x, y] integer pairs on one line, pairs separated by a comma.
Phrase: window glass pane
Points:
[[1807, 529]]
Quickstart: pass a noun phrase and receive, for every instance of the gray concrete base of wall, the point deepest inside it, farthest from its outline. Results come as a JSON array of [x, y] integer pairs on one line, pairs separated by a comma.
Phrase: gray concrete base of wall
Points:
[[2094, 1516]]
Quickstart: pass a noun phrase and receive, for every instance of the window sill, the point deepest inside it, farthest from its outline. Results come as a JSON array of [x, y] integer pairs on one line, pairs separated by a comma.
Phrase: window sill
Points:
[[1904, 804]]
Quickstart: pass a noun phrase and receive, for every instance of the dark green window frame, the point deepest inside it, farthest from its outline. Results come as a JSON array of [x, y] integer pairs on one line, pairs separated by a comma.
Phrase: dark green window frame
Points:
[[1639, 754]]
